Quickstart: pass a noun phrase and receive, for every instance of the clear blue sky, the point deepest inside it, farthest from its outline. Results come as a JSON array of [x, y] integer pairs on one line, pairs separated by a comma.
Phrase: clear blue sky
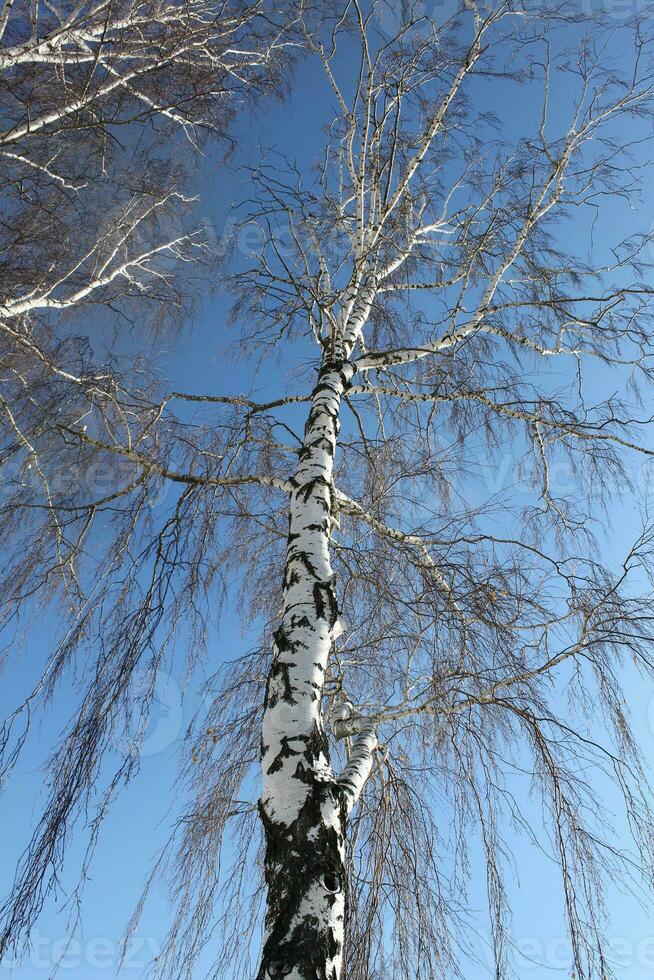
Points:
[[140, 820]]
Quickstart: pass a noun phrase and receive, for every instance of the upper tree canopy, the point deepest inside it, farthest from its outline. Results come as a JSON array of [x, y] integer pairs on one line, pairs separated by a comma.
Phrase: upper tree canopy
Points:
[[453, 245]]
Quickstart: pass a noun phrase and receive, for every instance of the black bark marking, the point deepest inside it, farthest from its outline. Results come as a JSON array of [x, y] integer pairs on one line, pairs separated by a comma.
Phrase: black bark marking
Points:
[[302, 858], [324, 598], [325, 442], [279, 670], [282, 641], [318, 600], [284, 753], [307, 489], [303, 622], [303, 559], [323, 526]]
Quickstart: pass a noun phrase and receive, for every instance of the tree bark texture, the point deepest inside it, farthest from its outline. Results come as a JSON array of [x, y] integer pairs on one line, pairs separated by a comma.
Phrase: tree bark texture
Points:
[[303, 806]]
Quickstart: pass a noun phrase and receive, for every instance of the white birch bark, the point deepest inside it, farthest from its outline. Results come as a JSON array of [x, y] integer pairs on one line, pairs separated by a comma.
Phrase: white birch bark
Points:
[[304, 807]]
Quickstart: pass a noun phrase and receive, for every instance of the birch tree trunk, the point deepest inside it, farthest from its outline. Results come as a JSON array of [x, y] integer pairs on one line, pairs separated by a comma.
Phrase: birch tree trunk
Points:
[[303, 806]]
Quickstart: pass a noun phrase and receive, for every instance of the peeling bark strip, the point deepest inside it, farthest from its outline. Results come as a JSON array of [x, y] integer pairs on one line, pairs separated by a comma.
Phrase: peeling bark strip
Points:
[[303, 807]]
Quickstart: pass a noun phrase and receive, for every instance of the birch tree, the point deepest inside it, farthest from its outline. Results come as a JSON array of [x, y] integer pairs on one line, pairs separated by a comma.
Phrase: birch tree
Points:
[[103, 105], [422, 638]]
